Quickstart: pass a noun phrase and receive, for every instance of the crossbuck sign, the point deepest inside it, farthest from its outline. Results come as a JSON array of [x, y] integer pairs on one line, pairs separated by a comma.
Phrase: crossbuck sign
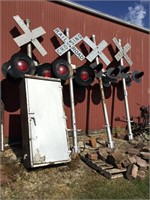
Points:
[[97, 50], [122, 51], [29, 36], [69, 44]]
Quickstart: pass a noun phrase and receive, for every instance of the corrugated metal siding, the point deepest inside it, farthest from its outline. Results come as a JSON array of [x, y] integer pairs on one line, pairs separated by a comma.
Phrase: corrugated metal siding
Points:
[[50, 15]]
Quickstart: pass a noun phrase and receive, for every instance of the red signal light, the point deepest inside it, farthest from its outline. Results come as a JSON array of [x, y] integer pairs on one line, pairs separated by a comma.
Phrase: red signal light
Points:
[[22, 65], [47, 73], [19, 65], [62, 69], [45, 70], [84, 75]]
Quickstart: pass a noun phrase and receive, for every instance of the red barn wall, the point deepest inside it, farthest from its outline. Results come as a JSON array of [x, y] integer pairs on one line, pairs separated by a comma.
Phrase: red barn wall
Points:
[[50, 15]]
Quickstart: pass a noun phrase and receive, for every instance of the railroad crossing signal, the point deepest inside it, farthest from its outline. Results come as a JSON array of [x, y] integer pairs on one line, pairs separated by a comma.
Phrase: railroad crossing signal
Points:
[[62, 69], [19, 65], [122, 51], [135, 76], [29, 36], [84, 76], [69, 44], [97, 50], [45, 70]]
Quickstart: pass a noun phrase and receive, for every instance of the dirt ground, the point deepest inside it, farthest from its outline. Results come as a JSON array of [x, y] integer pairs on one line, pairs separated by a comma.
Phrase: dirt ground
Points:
[[64, 181]]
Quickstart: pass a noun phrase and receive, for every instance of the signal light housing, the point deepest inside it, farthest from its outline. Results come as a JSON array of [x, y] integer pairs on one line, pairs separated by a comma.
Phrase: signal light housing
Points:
[[112, 73], [5, 68], [45, 70], [62, 69], [106, 81], [84, 76], [128, 80], [19, 65], [22, 64], [98, 70], [137, 76], [123, 71]]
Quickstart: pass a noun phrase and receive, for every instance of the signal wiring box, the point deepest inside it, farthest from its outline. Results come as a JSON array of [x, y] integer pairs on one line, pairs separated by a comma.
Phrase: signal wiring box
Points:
[[44, 131]]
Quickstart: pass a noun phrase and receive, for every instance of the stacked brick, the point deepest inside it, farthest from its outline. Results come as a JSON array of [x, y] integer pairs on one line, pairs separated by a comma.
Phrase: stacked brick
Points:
[[134, 160]]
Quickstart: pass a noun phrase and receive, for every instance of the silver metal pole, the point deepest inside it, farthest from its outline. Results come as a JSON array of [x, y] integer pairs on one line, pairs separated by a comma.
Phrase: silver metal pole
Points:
[[75, 147], [29, 47], [110, 142], [2, 128], [130, 135]]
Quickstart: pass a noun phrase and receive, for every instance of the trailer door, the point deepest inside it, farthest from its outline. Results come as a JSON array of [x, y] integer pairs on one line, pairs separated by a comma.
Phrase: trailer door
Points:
[[47, 132]]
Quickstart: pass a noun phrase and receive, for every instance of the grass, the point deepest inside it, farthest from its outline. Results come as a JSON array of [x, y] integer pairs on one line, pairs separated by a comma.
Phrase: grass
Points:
[[88, 186], [72, 181], [114, 189]]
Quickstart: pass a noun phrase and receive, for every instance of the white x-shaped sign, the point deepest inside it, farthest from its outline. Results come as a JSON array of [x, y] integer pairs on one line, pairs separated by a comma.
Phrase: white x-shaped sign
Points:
[[97, 50], [122, 51], [69, 44], [29, 36]]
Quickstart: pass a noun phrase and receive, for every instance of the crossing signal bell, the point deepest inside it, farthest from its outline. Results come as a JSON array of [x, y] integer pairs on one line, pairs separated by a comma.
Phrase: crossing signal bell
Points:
[[19, 65]]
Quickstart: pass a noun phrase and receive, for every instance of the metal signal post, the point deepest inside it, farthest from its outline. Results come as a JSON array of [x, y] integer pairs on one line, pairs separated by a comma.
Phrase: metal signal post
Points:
[[75, 147], [130, 135], [110, 142], [29, 47]]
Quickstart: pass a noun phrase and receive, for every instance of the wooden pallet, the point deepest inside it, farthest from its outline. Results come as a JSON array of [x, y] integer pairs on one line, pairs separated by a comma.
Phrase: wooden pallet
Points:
[[107, 170]]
